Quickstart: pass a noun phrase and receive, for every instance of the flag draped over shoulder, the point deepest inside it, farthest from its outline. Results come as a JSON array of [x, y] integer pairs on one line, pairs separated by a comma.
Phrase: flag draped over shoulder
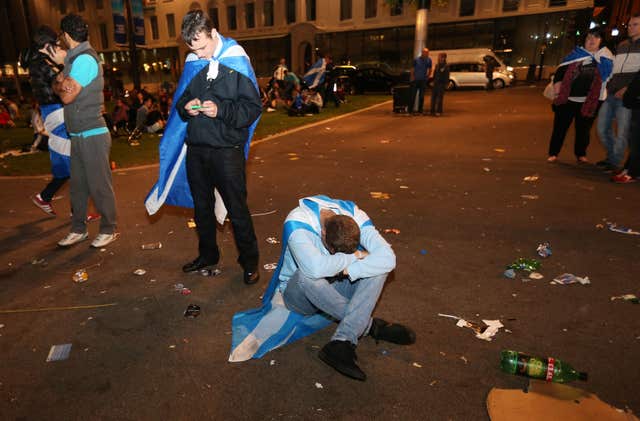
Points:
[[172, 187], [603, 58], [59, 142], [315, 74], [258, 331]]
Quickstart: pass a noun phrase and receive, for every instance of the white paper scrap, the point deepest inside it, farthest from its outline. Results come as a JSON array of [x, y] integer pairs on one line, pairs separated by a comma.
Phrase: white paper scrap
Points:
[[59, 352]]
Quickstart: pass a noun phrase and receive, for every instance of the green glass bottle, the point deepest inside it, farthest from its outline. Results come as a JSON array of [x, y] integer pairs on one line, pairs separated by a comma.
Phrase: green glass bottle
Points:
[[549, 369]]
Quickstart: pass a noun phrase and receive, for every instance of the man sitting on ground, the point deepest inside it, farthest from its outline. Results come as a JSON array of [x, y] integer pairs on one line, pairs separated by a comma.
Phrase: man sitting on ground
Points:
[[334, 264]]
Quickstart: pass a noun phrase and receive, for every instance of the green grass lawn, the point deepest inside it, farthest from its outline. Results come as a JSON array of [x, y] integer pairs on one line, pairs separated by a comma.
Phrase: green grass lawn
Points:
[[147, 153]]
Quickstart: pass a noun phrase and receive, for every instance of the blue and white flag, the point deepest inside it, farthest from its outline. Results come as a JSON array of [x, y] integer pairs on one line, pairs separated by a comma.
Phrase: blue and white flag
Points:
[[603, 57], [172, 186], [258, 331], [59, 142], [315, 75]]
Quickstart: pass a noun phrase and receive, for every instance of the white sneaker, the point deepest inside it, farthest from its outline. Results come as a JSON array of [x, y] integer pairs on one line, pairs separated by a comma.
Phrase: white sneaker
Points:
[[72, 238], [102, 240]]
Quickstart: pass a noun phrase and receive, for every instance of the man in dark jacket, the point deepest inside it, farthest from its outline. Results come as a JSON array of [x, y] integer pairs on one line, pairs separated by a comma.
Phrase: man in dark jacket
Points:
[[631, 100], [219, 105]]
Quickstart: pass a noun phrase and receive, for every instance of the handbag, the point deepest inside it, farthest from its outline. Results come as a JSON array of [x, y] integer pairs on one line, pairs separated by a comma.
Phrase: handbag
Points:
[[549, 92]]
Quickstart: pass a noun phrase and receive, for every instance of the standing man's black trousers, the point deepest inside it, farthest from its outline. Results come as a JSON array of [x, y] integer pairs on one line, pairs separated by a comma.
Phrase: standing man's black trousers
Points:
[[224, 169]]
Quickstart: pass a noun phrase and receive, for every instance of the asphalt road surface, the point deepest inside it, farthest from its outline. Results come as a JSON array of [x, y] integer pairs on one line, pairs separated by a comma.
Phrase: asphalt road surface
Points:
[[456, 194]]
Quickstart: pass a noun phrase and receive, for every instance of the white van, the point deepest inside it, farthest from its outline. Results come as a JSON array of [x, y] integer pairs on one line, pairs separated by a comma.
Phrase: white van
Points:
[[466, 67]]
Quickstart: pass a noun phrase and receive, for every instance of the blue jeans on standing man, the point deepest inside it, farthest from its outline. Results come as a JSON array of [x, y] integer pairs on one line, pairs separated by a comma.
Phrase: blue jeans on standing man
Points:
[[349, 302], [615, 145]]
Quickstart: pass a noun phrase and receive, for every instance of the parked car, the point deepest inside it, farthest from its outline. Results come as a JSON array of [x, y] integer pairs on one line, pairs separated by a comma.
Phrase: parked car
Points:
[[473, 75], [363, 80]]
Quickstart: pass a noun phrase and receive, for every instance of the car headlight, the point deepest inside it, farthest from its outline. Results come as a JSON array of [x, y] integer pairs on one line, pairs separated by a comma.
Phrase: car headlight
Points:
[[509, 69], [510, 76]]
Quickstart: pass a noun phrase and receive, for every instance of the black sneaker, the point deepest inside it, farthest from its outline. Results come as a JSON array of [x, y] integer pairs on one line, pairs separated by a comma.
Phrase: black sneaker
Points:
[[390, 332], [341, 355]]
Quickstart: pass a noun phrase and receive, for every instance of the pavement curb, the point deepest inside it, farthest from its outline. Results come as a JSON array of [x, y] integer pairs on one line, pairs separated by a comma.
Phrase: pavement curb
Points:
[[255, 142]]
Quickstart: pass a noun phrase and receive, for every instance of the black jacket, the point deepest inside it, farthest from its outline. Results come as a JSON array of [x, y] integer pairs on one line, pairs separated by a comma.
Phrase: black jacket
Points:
[[631, 97], [238, 104]]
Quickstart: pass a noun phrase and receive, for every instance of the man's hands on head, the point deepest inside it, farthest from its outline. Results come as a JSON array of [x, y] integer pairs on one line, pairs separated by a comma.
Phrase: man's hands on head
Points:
[[195, 107]]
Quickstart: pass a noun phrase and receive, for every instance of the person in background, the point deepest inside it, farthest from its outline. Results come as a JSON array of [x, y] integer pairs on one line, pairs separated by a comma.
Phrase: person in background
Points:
[[420, 73], [625, 65], [489, 67], [631, 100], [280, 72], [440, 83], [579, 85], [120, 117]]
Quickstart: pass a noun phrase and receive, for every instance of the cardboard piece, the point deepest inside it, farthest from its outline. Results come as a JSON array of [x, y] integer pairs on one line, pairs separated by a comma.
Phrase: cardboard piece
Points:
[[549, 402]]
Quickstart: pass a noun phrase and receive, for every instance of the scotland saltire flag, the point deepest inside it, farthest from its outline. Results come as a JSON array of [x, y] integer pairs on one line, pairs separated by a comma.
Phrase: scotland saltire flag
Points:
[[603, 58], [172, 186], [315, 74], [258, 331], [59, 142]]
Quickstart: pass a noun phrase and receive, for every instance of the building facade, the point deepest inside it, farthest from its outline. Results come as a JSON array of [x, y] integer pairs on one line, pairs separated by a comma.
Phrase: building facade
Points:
[[355, 31]]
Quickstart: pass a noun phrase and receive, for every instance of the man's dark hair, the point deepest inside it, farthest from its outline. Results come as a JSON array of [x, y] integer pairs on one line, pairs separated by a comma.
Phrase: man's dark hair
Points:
[[597, 31], [193, 23], [76, 27], [342, 234]]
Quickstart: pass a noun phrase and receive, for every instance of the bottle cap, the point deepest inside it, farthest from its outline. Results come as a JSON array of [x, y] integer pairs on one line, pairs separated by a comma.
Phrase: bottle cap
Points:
[[583, 376]]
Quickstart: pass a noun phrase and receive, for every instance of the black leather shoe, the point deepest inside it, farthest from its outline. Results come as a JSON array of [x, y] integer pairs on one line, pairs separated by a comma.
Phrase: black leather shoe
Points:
[[390, 332], [251, 277], [341, 355], [196, 265]]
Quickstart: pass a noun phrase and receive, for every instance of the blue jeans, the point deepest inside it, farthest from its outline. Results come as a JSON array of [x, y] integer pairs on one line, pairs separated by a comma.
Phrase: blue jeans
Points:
[[349, 302], [615, 146]]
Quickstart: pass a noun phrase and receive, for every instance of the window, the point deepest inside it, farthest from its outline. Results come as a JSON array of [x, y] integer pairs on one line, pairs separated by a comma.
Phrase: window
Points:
[[290, 11], [250, 15], [396, 9], [555, 3], [104, 36], [467, 7], [171, 25], [231, 18], [311, 10], [370, 9], [153, 21], [99, 4], [510, 5], [268, 12], [80, 5], [213, 14], [345, 9]]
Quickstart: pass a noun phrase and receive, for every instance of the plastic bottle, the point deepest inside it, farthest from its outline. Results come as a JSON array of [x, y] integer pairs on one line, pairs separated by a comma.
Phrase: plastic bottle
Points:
[[549, 369]]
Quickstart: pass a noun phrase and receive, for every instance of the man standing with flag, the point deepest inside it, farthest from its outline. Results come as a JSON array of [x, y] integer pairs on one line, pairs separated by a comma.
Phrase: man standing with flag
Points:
[[219, 103]]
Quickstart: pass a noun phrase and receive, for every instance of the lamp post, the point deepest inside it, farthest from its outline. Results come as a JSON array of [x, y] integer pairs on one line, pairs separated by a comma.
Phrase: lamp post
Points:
[[133, 52]]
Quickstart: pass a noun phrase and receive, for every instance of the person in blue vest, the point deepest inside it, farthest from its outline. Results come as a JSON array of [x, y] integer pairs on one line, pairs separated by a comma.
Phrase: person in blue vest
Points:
[[333, 266], [80, 88]]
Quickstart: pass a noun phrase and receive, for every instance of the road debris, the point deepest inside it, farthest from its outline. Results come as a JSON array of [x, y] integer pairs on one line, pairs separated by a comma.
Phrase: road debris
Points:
[[510, 273], [80, 275], [59, 352], [544, 250], [530, 196], [39, 262], [380, 195], [139, 272], [319, 385], [485, 333], [627, 297], [191, 223], [210, 272], [525, 264], [270, 266], [499, 150], [192, 311], [486, 169], [272, 240], [433, 382], [570, 278], [622, 230], [392, 231], [181, 289], [151, 246], [536, 275], [463, 358], [534, 177]]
